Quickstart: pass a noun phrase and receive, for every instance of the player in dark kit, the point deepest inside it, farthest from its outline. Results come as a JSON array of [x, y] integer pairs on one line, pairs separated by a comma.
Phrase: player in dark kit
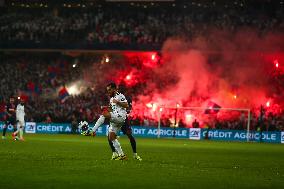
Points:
[[10, 116], [126, 129], [2, 110]]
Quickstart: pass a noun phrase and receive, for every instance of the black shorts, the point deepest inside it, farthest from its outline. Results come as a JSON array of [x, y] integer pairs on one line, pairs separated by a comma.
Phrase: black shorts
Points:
[[2, 116], [126, 128]]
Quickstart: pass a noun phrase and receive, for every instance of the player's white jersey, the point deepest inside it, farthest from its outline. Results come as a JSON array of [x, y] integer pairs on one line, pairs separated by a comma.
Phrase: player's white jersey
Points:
[[20, 112], [115, 107]]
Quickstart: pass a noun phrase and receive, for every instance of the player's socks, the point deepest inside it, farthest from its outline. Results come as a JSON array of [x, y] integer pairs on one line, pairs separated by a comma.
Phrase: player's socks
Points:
[[21, 133], [114, 156], [133, 143], [135, 156], [117, 147], [111, 146], [99, 122], [4, 131]]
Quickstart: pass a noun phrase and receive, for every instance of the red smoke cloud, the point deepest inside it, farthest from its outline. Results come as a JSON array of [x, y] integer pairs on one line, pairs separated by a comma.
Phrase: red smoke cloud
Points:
[[235, 70]]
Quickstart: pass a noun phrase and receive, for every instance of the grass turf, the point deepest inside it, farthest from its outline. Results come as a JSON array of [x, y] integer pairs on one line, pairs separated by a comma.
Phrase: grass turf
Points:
[[73, 161]]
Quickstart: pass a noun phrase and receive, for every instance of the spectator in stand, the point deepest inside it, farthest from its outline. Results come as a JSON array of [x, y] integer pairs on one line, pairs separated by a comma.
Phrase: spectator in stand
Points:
[[108, 25]]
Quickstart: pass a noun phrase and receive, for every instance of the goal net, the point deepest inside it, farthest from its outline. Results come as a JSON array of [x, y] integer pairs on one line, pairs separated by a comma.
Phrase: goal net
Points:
[[205, 118]]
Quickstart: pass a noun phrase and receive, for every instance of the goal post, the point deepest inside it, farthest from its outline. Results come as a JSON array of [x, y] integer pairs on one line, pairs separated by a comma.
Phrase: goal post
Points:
[[192, 111]]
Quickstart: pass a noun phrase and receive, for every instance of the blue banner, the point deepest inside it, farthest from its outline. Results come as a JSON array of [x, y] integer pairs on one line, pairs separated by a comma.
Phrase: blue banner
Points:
[[53, 128], [165, 132], [10, 127], [57, 128], [236, 135]]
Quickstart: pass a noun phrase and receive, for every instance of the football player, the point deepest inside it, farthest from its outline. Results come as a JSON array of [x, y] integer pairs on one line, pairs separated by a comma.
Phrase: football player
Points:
[[11, 117], [126, 130], [116, 115]]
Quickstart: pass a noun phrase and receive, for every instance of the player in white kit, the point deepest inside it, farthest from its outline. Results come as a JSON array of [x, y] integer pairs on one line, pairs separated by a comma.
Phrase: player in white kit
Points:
[[116, 114], [20, 117]]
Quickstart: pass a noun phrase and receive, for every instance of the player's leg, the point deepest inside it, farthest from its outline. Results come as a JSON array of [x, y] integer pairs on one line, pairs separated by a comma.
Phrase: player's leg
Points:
[[132, 140], [14, 126], [126, 129], [116, 121], [101, 120], [22, 133], [133, 145], [15, 129], [5, 127], [116, 144], [114, 153], [113, 129], [111, 145], [21, 130]]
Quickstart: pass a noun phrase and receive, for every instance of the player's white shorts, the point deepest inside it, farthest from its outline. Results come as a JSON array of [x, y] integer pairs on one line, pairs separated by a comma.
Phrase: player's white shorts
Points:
[[114, 128], [117, 118], [21, 123], [116, 122]]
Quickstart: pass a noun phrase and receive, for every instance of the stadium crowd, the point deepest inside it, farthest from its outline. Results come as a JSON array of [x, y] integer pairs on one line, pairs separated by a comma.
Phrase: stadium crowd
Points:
[[38, 80], [105, 25]]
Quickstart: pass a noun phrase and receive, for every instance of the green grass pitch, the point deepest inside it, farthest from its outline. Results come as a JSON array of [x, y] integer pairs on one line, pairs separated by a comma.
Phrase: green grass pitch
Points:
[[73, 161]]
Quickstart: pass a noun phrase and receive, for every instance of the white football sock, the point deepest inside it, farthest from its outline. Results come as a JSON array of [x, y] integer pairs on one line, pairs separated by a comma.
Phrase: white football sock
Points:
[[117, 147], [99, 122], [114, 153], [21, 133]]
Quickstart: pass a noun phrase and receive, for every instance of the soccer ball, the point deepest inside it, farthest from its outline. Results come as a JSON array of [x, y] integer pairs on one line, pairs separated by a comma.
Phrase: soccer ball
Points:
[[84, 127]]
